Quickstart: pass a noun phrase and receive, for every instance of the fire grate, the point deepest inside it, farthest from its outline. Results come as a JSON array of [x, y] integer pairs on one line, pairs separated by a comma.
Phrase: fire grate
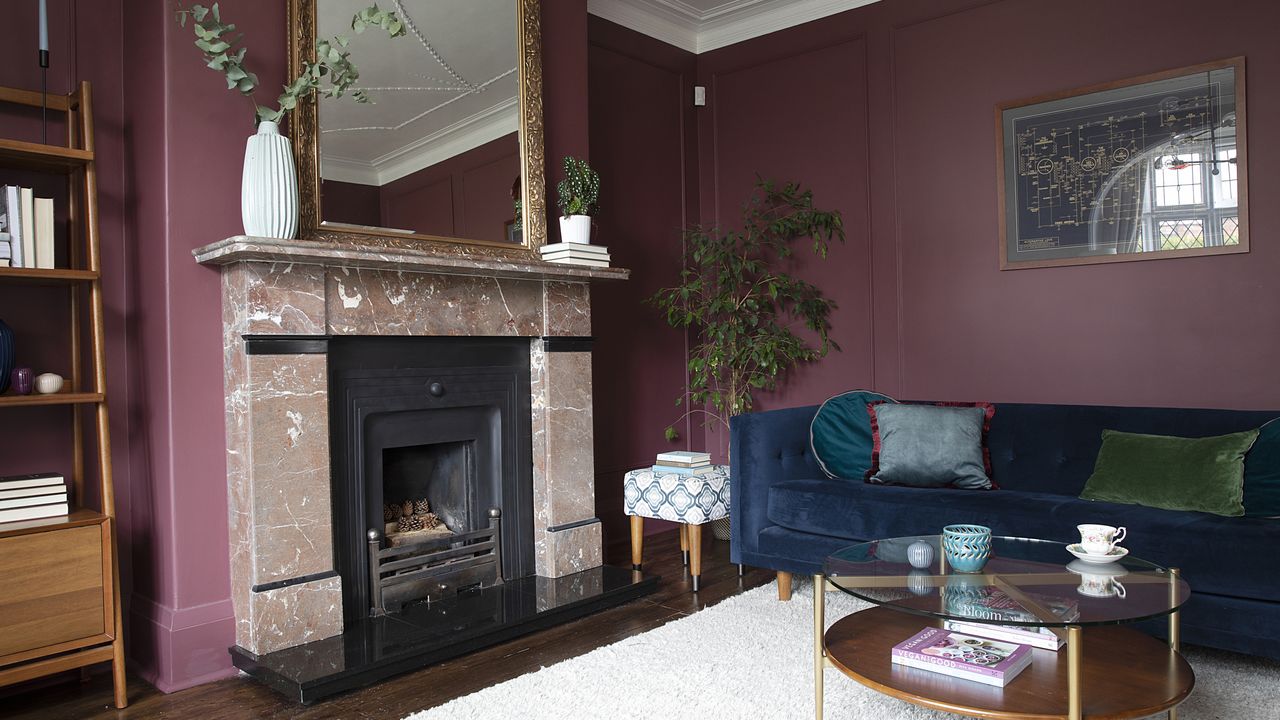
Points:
[[434, 569]]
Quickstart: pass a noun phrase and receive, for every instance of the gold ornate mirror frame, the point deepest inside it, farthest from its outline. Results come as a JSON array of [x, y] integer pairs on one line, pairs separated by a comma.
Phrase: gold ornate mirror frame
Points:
[[306, 138]]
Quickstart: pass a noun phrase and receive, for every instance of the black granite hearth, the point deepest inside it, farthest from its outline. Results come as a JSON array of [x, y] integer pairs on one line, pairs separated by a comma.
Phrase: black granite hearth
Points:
[[374, 649]]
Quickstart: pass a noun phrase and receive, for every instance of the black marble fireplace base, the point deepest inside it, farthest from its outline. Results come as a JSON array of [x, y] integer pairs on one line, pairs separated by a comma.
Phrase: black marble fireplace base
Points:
[[374, 649]]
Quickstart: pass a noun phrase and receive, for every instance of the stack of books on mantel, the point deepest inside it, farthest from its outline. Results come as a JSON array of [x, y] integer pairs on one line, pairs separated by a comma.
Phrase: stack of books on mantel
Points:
[[991, 662], [576, 254], [683, 462], [31, 497]]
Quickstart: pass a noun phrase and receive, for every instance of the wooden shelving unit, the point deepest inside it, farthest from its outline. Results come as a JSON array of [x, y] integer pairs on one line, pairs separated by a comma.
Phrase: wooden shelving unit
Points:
[[60, 608]]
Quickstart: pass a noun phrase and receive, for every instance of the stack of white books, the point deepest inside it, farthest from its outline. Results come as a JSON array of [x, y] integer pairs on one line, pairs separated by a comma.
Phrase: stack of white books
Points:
[[31, 497], [683, 462], [576, 254], [26, 229]]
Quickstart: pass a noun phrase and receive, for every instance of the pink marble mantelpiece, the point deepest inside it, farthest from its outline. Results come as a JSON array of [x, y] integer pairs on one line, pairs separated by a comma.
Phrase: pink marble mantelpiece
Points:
[[284, 589], [241, 248]]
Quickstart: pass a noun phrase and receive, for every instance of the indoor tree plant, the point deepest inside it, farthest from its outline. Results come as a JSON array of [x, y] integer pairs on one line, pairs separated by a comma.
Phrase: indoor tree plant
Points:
[[269, 187], [579, 200], [743, 305]]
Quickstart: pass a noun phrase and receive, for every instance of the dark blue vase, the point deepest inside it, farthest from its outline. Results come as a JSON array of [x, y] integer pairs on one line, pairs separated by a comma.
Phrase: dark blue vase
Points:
[[6, 356]]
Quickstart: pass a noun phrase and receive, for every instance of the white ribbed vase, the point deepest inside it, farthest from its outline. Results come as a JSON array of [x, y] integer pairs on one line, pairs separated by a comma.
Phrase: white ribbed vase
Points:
[[269, 188]]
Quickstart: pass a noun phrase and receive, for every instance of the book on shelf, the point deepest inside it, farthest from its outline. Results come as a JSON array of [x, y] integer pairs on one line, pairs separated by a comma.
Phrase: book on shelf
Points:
[[575, 248], [684, 457], [673, 470], [33, 491], [34, 500], [14, 482], [27, 218], [12, 223], [34, 513], [578, 261], [44, 233], [995, 604], [983, 660], [6, 250], [4, 263]]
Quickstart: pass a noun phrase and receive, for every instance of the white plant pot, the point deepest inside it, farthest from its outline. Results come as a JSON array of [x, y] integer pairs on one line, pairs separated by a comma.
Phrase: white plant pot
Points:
[[269, 187], [575, 229]]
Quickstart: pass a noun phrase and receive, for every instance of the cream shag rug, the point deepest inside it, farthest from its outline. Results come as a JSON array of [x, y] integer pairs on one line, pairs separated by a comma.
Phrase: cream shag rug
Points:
[[750, 657]]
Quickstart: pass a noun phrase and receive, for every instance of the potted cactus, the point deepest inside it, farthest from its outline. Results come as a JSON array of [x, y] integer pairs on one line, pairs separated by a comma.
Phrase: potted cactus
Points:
[[579, 200]]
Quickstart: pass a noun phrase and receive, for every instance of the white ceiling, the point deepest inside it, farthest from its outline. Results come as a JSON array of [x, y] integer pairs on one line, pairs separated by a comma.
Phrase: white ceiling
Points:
[[702, 25], [448, 85]]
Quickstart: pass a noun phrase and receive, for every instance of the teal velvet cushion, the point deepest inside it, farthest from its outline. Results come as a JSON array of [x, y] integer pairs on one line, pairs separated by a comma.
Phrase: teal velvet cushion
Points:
[[930, 446], [1173, 473], [840, 433], [1262, 473]]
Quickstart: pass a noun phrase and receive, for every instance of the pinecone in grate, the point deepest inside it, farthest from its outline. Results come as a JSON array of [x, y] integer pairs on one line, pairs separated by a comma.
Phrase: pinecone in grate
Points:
[[409, 523], [421, 507], [391, 512], [406, 508], [429, 520]]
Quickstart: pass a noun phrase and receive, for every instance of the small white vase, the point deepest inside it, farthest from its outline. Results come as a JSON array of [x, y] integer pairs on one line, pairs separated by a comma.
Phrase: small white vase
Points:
[[575, 229], [269, 188]]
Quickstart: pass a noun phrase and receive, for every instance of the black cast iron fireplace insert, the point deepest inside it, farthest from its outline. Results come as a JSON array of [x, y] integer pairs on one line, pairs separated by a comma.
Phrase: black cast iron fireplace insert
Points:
[[444, 419]]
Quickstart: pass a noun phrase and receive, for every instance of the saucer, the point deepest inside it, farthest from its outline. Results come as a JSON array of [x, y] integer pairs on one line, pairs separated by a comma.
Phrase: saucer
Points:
[[1080, 567], [1116, 553]]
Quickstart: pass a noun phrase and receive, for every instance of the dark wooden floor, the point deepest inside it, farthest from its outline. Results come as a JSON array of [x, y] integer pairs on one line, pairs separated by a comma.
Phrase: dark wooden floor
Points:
[[239, 697]]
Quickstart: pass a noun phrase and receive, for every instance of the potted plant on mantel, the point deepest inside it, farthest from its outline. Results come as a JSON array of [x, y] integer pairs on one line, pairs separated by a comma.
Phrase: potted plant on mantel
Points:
[[743, 306], [269, 185], [579, 200]]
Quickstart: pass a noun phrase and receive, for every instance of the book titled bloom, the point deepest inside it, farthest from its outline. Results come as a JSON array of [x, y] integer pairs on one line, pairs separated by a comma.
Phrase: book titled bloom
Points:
[[996, 605], [963, 656], [674, 470]]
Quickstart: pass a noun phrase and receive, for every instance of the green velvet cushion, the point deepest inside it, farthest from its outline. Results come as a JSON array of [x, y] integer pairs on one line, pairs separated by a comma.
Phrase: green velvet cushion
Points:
[[1262, 473], [1173, 473], [840, 434]]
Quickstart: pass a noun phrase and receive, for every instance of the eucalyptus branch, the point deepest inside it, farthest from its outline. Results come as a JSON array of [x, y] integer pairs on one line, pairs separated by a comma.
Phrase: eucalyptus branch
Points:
[[332, 74]]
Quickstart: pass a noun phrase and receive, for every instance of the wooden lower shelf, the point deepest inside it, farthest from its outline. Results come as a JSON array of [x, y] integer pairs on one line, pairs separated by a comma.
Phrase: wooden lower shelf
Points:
[[78, 517], [11, 399], [46, 276]]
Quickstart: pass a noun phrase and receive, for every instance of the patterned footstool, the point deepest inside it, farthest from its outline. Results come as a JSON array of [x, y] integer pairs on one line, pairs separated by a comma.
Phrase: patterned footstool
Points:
[[691, 500]]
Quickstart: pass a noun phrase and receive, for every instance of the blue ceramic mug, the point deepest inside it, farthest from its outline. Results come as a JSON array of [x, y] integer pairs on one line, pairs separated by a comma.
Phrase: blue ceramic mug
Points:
[[966, 547]]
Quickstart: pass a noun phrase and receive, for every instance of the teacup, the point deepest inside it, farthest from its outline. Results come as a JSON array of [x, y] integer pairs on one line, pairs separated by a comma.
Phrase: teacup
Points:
[[1100, 586], [1099, 539]]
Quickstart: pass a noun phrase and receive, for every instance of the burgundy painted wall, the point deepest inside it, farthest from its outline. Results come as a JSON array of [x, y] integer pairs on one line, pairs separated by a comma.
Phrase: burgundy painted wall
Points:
[[468, 195], [184, 137], [887, 112], [351, 203], [642, 144], [564, 93]]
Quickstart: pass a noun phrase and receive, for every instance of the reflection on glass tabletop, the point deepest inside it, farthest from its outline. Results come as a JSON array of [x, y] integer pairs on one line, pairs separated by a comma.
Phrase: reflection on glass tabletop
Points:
[[1033, 583]]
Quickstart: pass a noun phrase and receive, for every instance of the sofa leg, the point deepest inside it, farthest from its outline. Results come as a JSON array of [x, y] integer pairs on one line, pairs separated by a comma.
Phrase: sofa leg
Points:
[[784, 586]]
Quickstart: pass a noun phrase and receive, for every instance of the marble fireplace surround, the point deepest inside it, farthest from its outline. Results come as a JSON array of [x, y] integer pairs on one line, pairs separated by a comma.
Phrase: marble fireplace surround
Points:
[[284, 588]]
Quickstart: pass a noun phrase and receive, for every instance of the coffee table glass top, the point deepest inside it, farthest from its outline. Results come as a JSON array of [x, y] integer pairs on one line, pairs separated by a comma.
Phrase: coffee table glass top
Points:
[[1034, 583]]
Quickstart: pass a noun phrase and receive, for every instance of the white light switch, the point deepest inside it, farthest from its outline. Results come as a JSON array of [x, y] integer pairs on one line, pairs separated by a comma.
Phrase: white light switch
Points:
[[699, 95]]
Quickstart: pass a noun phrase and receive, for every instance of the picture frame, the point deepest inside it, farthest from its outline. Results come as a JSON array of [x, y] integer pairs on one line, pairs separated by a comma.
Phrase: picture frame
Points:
[[1149, 167]]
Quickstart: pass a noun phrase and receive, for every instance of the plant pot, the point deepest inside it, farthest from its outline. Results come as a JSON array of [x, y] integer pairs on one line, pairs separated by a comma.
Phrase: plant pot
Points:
[[269, 187], [575, 229]]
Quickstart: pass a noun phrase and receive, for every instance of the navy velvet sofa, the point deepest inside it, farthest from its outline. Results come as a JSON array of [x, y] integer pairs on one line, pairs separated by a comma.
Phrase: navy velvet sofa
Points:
[[788, 516]]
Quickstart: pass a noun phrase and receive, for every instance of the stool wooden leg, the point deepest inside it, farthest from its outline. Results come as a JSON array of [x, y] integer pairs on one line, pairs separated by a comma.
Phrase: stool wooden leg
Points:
[[784, 585], [695, 554], [637, 541], [684, 543]]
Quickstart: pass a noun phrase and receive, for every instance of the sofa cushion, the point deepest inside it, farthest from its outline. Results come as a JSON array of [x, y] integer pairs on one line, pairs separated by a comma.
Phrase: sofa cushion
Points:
[[1174, 473], [1262, 473], [840, 433], [928, 446], [1212, 551]]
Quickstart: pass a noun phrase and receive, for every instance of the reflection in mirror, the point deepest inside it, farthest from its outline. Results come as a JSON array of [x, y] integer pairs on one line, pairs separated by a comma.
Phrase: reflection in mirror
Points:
[[437, 152]]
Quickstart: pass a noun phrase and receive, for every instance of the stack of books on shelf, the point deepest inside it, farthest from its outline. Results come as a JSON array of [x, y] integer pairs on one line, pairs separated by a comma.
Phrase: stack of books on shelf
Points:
[[31, 497], [576, 254], [683, 462], [991, 662], [997, 605], [26, 229]]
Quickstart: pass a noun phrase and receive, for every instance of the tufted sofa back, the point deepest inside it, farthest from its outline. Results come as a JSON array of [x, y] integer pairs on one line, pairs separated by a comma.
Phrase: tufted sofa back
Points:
[[1052, 448]]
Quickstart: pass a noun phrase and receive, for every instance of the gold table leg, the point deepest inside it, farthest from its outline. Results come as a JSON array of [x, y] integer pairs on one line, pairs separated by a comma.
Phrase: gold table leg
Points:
[[1175, 628], [1075, 648], [819, 653]]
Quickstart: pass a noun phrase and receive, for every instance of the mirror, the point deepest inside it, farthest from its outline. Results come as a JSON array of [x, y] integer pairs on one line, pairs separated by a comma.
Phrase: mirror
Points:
[[449, 149]]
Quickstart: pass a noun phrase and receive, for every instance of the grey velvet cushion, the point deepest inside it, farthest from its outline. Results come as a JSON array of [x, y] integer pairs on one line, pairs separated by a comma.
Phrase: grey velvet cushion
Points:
[[930, 446]]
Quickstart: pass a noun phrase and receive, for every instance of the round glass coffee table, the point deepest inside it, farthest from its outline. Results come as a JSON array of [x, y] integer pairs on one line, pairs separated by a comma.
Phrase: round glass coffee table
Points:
[[1103, 670]]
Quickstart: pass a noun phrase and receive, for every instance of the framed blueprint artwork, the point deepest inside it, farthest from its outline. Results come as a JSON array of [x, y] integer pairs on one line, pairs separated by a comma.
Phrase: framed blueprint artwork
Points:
[[1137, 169]]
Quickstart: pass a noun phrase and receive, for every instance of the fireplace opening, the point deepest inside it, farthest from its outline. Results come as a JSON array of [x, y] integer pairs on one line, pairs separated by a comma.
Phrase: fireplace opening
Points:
[[427, 491], [429, 437]]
